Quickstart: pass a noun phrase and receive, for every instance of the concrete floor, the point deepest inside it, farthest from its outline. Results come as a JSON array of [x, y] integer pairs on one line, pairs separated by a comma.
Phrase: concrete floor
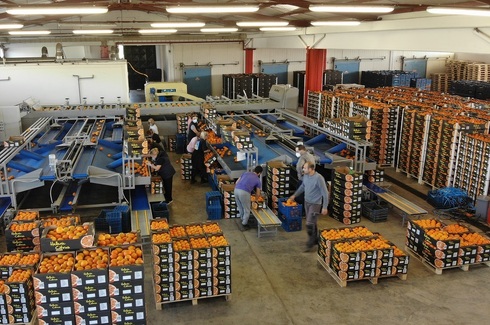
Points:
[[274, 282]]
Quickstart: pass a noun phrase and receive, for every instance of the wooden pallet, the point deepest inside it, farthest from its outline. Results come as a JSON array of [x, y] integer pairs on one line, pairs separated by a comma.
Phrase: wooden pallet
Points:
[[159, 305], [438, 270], [343, 283]]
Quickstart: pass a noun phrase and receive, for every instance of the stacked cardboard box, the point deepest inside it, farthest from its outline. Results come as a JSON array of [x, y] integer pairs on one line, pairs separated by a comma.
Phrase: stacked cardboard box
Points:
[[278, 183], [186, 166], [229, 204], [346, 196]]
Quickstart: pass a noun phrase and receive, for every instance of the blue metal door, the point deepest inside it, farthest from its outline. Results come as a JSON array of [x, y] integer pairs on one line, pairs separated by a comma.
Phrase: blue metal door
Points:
[[418, 66], [279, 69], [350, 70], [198, 81]]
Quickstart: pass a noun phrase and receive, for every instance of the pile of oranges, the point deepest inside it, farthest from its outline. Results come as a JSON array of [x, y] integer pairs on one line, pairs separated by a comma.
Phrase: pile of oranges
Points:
[[361, 245], [160, 224], [456, 229], [225, 151], [2, 287], [290, 203], [355, 232], [194, 230], [199, 242], [211, 228], [91, 259], [472, 239], [58, 222], [62, 262], [28, 226], [115, 240], [438, 234], [138, 168], [213, 138], [160, 238], [26, 216], [20, 275], [218, 241], [427, 223], [177, 232], [70, 232], [29, 259], [181, 245], [10, 259], [126, 256], [208, 156]]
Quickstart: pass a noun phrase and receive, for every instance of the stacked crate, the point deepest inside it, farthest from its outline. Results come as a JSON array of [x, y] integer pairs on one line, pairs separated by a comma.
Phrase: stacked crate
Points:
[[332, 77], [237, 84], [22, 234], [54, 292], [278, 183], [346, 196], [291, 216], [229, 204], [373, 256], [182, 123], [262, 83], [421, 83], [315, 101], [374, 176], [190, 262], [156, 185], [90, 289], [186, 166], [432, 156], [208, 111], [213, 205], [17, 303], [440, 82], [478, 71], [457, 70], [172, 143], [472, 170]]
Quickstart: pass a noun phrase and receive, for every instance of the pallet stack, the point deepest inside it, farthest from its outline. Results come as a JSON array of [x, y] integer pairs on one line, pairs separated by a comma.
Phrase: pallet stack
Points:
[[186, 166], [278, 183], [441, 246], [457, 70], [190, 262], [346, 196], [478, 71], [472, 170], [17, 302], [440, 82], [355, 253]]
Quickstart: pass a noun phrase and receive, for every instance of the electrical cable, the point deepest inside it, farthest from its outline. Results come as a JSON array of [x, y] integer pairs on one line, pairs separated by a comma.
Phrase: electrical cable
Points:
[[141, 73]]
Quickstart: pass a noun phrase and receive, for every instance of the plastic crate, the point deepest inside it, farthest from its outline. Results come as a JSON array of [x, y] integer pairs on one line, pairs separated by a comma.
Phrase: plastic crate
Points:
[[100, 223], [214, 210], [126, 217], [114, 220], [160, 210], [291, 224], [374, 212], [212, 183], [290, 212], [213, 196], [180, 146]]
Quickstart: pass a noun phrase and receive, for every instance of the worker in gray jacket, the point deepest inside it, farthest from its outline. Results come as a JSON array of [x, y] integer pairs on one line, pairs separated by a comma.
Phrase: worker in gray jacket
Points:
[[303, 157], [316, 201]]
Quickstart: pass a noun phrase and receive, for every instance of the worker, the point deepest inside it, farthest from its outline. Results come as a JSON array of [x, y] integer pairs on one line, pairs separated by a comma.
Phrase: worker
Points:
[[244, 187], [197, 158], [153, 126], [316, 201], [303, 157], [154, 140], [161, 164], [193, 127]]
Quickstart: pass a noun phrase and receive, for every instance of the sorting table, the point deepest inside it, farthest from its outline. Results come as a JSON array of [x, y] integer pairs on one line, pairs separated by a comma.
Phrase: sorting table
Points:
[[267, 222], [407, 208]]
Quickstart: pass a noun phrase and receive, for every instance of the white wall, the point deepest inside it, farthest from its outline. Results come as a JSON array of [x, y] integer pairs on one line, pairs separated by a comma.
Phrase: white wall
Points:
[[89, 50], [473, 57], [51, 83], [295, 57]]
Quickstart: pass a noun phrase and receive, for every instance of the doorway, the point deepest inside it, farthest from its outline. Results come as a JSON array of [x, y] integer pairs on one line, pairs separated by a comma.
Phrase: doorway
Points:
[[198, 81]]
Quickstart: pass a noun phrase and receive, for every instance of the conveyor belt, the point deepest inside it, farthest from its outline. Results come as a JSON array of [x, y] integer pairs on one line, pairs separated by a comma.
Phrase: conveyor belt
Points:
[[50, 136], [139, 199], [285, 125], [47, 173], [80, 171], [267, 221]]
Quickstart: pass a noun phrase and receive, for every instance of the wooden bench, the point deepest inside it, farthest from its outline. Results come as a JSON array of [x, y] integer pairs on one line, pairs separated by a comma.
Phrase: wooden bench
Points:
[[407, 208], [267, 222]]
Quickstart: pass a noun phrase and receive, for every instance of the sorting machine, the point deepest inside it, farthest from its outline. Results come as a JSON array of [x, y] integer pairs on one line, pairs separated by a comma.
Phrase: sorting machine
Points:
[[62, 163]]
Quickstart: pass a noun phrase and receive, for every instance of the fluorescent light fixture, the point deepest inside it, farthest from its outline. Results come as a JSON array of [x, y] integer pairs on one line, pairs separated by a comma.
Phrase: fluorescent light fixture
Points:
[[218, 30], [92, 31], [157, 31], [210, 9], [262, 23], [458, 11], [48, 10], [277, 29], [30, 32], [87, 24], [177, 24], [335, 23], [11, 26], [362, 9]]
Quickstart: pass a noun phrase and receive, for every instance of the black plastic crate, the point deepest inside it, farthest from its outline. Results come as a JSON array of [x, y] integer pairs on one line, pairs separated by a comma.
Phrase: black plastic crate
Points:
[[374, 212], [160, 210]]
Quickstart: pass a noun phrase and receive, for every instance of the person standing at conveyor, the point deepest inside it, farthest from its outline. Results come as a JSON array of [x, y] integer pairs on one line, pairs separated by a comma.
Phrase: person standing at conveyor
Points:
[[316, 201], [162, 165], [193, 129], [244, 187], [152, 126], [303, 157], [198, 166], [154, 140]]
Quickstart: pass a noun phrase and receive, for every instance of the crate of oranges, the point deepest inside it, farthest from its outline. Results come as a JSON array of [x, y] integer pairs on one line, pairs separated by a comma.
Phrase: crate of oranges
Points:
[[59, 239], [90, 267], [26, 215], [54, 271], [126, 263], [123, 238], [7, 263]]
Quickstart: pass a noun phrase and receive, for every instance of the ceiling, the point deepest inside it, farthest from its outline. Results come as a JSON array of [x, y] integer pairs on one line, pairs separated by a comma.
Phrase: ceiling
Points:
[[128, 16]]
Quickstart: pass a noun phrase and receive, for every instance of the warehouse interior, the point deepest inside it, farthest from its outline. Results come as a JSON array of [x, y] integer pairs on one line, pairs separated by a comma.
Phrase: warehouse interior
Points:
[[391, 98]]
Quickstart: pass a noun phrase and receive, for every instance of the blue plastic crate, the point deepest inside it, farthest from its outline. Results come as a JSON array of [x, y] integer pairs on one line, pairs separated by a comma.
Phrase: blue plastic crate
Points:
[[212, 183], [214, 211], [290, 212], [180, 143], [114, 220], [212, 197], [126, 217], [160, 210], [291, 224], [100, 223]]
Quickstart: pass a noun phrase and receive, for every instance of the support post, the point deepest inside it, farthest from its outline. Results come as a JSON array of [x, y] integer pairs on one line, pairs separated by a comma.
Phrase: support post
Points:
[[249, 60], [315, 65]]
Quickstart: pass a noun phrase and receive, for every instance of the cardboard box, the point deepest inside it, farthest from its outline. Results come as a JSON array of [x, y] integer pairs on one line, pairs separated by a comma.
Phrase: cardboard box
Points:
[[127, 301], [48, 245], [126, 273], [91, 306], [89, 277], [57, 295], [54, 309], [97, 318], [126, 288], [129, 316], [90, 292]]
